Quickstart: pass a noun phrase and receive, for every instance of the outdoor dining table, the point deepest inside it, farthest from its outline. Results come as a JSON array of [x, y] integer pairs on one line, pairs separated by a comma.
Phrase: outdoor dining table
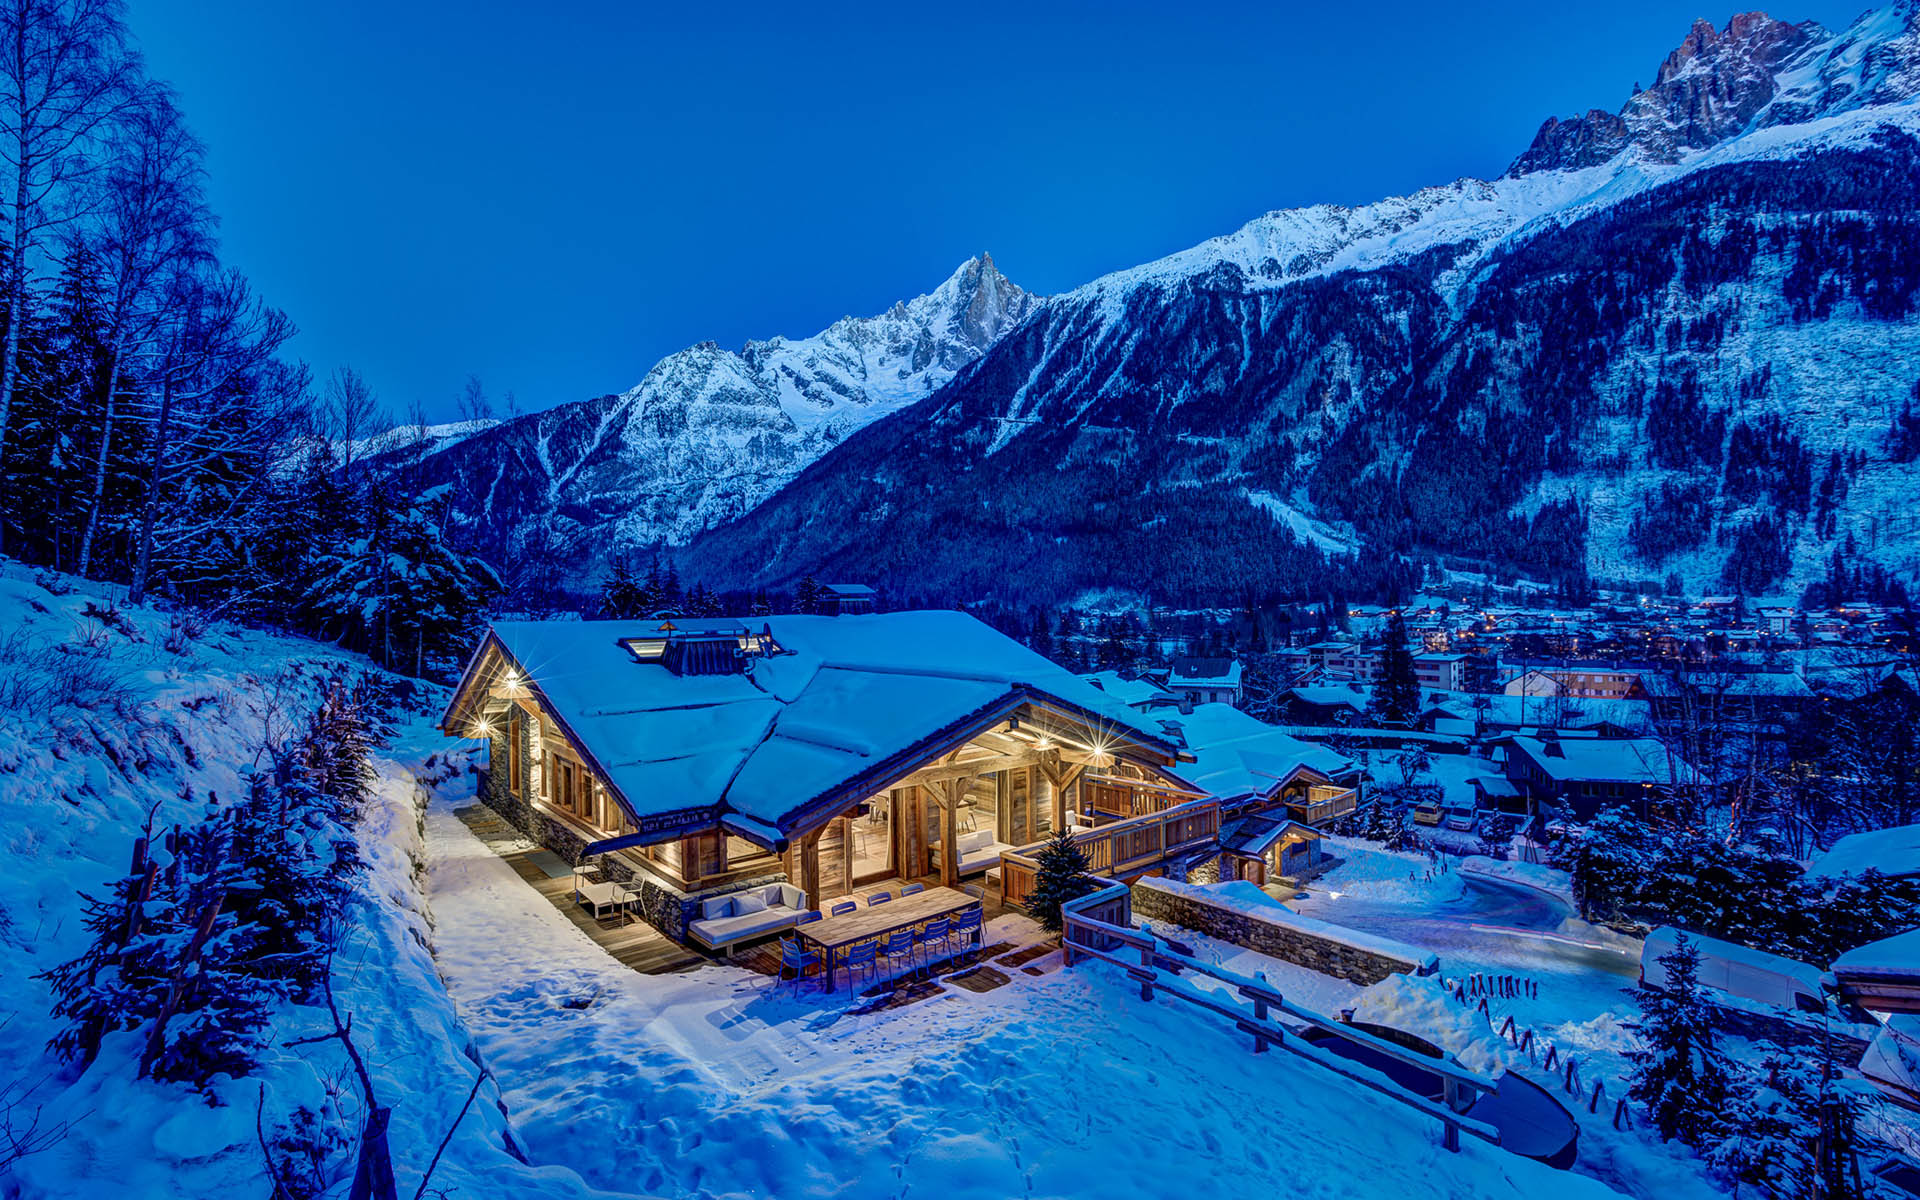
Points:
[[834, 934]]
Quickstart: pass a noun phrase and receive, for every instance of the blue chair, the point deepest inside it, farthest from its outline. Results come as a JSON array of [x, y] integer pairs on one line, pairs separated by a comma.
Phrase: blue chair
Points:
[[936, 930], [913, 889], [859, 958], [968, 925], [879, 898], [796, 959], [808, 918], [897, 947], [844, 907]]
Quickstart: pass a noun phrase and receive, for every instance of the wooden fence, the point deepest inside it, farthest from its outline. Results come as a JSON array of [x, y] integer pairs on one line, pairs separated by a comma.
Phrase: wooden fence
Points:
[[1098, 926], [1124, 849]]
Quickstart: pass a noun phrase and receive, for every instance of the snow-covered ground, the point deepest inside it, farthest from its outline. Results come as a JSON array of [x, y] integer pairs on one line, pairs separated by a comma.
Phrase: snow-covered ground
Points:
[[109, 712], [715, 1083]]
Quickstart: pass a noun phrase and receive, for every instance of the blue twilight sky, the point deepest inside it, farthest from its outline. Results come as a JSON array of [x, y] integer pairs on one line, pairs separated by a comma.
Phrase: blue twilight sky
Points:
[[552, 196]]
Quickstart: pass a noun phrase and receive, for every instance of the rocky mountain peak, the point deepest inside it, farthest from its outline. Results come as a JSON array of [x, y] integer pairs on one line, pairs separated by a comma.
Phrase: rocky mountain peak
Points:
[[1716, 84]]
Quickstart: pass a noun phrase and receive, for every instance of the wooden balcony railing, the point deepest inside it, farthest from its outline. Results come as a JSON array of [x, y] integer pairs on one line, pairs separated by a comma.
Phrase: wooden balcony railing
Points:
[[1099, 926], [1123, 849], [1317, 808]]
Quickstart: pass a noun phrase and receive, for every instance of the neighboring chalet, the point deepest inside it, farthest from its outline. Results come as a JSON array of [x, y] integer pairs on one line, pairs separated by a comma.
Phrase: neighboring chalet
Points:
[[844, 599], [1578, 776], [694, 758], [1276, 792], [1205, 680], [1324, 705], [1141, 695]]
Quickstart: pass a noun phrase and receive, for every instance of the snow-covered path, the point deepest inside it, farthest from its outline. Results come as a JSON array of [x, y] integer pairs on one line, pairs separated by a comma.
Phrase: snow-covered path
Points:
[[711, 1084]]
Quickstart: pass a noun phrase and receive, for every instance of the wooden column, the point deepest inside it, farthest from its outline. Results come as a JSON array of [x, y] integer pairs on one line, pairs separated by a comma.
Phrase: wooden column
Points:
[[950, 833], [810, 866]]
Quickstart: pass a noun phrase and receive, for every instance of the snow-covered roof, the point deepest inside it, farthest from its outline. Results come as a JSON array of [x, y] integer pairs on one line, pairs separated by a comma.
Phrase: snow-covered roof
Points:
[[849, 697], [1331, 694], [1205, 672], [1255, 833], [1239, 755], [1126, 691], [1609, 760], [1897, 955], [1893, 851]]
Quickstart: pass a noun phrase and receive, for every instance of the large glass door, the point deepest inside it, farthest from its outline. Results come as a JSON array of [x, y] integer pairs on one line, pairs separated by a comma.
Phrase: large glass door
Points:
[[872, 833]]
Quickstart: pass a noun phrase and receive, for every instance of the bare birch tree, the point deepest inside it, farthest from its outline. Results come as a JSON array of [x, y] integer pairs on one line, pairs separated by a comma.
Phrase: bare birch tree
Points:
[[65, 73], [154, 229]]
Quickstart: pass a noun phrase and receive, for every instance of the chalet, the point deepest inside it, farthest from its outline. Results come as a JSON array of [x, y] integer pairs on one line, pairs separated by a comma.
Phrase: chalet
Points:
[[1205, 680], [845, 599], [1275, 792], [1139, 694], [699, 758], [1578, 776], [1324, 705]]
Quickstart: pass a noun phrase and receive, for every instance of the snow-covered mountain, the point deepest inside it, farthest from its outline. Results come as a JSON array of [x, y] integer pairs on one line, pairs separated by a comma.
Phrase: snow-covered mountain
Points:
[[709, 432], [1677, 340]]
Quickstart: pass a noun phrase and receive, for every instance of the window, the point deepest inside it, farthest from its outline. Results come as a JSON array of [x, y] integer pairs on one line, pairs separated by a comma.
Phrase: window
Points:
[[741, 853]]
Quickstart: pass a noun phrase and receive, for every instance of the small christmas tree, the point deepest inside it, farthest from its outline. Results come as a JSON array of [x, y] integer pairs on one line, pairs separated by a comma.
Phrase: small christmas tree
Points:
[[1678, 1072], [1062, 876]]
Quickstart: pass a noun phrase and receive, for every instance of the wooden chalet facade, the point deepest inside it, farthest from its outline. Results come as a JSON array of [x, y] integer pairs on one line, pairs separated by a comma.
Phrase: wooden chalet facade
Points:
[[1276, 793], [699, 758]]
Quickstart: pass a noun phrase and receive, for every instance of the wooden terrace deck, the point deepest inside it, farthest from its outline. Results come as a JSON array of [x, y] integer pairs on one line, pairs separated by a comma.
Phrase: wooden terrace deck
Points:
[[640, 946], [632, 941]]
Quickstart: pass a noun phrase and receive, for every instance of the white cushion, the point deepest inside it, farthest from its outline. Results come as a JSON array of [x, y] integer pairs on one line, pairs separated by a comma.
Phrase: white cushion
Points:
[[748, 903], [717, 908], [975, 840]]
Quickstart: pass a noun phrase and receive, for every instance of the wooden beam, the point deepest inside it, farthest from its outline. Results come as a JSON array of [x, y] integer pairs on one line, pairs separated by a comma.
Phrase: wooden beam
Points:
[[950, 834], [810, 866]]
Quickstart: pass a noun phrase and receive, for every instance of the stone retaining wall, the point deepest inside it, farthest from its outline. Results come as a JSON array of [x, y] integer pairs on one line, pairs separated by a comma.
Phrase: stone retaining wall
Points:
[[1277, 936]]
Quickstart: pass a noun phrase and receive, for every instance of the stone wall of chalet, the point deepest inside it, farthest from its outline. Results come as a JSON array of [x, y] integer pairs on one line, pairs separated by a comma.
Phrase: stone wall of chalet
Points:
[[1275, 937], [662, 906]]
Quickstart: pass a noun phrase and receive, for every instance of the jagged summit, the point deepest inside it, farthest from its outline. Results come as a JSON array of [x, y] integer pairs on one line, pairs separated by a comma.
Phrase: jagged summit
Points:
[[709, 432], [1756, 73]]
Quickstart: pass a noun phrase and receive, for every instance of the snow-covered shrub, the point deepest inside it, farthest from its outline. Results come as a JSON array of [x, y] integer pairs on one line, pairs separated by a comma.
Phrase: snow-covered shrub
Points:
[[220, 922]]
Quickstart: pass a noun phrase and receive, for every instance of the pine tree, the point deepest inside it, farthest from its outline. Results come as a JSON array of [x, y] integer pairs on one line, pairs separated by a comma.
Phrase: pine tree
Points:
[[1397, 696], [1062, 875], [1678, 1071], [806, 595], [620, 591]]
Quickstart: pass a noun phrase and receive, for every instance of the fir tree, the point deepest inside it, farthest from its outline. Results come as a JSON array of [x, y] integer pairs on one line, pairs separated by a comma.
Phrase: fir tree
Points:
[[806, 595], [620, 592], [1678, 1072], [1397, 696], [1062, 875]]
